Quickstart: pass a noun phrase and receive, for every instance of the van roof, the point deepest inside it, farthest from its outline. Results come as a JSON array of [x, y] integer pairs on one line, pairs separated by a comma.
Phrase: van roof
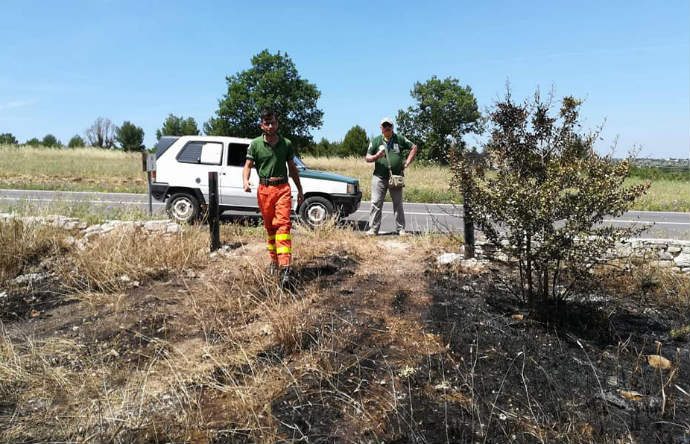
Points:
[[166, 142]]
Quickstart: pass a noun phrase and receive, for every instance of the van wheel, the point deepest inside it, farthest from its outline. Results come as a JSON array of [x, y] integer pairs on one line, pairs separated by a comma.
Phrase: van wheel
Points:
[[316, 211], [183, 208]]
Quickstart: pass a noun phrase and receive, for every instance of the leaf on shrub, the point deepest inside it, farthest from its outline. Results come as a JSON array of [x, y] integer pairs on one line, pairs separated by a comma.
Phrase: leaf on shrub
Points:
[[631, 395], [659, 362]]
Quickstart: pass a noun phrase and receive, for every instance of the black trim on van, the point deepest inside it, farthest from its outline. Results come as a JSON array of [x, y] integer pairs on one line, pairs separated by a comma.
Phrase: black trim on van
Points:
[[163, 144], [159, 190]]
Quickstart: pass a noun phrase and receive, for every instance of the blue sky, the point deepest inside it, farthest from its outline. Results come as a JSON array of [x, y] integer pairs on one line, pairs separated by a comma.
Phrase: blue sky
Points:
[[65, 63]]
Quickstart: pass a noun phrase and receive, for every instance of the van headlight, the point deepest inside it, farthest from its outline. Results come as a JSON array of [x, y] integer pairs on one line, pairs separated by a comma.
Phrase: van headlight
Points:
[[352, 188]]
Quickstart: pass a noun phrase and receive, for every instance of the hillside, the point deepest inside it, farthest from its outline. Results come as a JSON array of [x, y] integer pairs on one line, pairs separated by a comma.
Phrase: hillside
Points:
[[129, 337]]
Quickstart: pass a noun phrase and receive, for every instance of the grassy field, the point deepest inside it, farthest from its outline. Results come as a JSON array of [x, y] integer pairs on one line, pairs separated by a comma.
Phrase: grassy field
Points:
[[92, 169]]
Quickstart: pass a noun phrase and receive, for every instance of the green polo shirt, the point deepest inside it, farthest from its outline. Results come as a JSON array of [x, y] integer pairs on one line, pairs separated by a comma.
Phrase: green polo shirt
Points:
[[271, 161], [396, 147]]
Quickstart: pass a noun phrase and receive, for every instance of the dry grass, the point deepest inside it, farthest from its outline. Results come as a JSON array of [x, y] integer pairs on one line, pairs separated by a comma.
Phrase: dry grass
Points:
[[423, 183], [89, 212], [192, 347], [78, 169], [23, 244], [639, 279]]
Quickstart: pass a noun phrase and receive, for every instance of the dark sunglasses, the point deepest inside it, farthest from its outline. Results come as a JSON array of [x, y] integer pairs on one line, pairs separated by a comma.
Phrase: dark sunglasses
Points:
[[387, 125]]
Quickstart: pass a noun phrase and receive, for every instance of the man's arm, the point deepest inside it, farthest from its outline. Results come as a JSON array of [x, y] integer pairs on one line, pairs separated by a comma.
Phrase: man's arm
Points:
[[374, 157], [410, 157], [294, 174], [246, 172]]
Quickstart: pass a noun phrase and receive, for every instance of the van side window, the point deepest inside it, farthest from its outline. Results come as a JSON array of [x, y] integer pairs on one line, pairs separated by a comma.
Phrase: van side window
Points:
[[208, 153], [238, 154]]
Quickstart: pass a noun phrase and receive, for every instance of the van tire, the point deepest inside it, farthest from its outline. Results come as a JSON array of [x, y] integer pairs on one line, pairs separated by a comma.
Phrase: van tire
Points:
[[316, 211], [183, 208]]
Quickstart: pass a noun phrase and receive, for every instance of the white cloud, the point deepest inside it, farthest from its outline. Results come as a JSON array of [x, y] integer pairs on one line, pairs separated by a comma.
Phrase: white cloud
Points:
[[17, 104]]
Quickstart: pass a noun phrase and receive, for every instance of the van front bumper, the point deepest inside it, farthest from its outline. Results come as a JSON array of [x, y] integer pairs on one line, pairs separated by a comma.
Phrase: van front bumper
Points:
[[347, 204]]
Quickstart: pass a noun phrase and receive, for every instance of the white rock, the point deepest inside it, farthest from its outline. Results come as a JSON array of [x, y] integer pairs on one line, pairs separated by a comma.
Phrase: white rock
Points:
[[30, 278], [448, 258], [92, 229], [71, 224], [682, 260], [173, 228], [155, 225], [665, 256]]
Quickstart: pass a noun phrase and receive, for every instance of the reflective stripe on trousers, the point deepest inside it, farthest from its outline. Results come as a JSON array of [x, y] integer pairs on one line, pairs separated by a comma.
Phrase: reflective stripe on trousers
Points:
[[275, 203]]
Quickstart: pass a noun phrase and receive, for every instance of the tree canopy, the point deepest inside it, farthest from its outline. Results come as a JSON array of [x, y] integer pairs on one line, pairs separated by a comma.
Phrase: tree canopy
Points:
[[8, 139], [178, 126], [51, 141], [76, 142], [130, 137], [445, 111], [272, 82], [355, 142]]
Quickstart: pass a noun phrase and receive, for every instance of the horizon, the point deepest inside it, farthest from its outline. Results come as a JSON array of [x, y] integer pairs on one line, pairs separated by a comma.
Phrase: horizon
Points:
[[140, 62]]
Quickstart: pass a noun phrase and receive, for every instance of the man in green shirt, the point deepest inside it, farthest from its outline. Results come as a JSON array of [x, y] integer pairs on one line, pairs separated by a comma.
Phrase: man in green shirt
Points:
[[394, 146], [270, 154]]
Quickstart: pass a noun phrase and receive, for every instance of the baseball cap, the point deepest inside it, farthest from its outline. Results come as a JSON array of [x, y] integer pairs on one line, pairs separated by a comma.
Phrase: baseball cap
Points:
[[387, 120]]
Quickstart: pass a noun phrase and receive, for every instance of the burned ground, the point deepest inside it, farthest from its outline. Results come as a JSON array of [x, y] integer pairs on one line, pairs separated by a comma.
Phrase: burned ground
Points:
[[376, 343]]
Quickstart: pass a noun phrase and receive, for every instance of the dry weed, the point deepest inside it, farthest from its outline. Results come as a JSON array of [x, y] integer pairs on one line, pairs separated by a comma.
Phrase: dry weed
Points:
[[23, 244], [115, 260]]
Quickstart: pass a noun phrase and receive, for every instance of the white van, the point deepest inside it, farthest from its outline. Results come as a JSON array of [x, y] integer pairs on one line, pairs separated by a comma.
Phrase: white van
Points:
[[181, 180]]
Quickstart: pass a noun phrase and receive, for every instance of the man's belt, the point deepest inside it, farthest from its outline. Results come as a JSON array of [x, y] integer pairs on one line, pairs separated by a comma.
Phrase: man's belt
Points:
[[272, 181]]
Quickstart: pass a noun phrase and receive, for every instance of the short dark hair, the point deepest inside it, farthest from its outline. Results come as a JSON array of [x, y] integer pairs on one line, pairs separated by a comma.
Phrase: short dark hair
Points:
[[267, 113]]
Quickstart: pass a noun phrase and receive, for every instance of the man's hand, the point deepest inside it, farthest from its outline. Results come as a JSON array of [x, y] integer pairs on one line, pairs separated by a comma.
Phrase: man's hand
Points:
[[300, 198], [248, 187], [381, 153]]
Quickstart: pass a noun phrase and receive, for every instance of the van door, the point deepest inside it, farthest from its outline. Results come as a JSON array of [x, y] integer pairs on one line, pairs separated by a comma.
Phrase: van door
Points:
[[230, 181]]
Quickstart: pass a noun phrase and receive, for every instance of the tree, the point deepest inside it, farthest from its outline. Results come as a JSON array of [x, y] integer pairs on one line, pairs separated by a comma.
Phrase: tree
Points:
[[130, 137], [322, 148], [76, 142], [8, 139], [178, 126], [355, 142], [101, 133], [33, 142], [549, 192], [273, 82], [445, 111], [51, 141]]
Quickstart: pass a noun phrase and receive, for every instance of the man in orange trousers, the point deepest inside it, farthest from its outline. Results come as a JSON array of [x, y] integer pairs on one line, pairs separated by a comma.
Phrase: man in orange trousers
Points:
[[273, 156]]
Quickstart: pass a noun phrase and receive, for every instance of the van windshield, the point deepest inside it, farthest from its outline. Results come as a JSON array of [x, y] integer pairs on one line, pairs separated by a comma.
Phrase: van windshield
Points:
[[300, 165]]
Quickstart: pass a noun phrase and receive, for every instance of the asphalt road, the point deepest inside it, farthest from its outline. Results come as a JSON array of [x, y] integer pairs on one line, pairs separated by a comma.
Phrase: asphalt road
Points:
[[420, 217]]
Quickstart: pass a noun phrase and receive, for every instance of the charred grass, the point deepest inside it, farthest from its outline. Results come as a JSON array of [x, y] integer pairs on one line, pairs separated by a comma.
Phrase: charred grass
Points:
[[161, 342]]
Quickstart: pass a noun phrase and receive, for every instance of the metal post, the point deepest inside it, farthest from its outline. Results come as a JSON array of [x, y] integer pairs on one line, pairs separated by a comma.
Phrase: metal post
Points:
[[213, 221], [148, 179], [468, 227]]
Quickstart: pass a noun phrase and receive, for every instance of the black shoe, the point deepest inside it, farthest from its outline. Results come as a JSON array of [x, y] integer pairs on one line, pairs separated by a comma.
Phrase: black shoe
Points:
[[285, 280]]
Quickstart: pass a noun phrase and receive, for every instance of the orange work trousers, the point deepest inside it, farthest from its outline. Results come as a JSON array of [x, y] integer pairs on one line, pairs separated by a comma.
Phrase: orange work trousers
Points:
[[275, 203]]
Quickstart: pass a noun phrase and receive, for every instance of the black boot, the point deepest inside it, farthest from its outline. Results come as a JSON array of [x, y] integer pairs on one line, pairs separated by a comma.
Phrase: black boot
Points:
[[272, 269], [286, 282]]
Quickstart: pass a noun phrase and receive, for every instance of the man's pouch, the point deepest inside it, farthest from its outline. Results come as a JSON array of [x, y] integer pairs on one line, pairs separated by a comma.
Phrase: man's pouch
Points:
[[396, 181]]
